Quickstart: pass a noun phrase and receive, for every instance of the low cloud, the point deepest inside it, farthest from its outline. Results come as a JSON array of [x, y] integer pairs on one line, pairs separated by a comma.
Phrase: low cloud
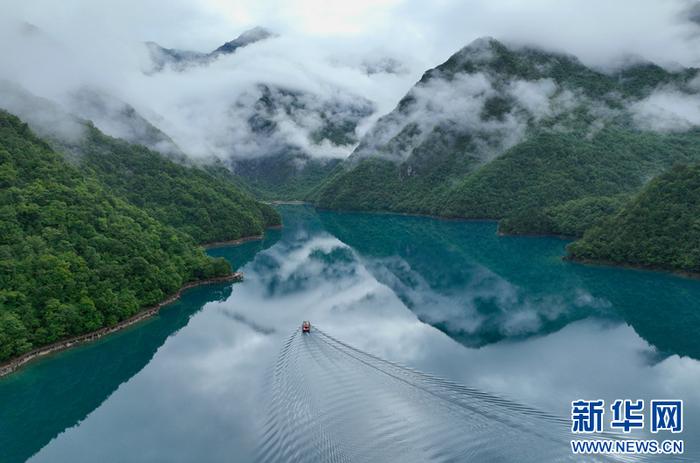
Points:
[[456, 103], [534, 96], [342, 52], [269, 120], [45, 117], [206, 109], [475, 106], [667, 110]]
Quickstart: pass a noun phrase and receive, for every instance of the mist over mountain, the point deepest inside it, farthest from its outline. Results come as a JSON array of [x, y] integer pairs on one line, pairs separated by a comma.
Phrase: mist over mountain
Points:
[[499, 130], [539, 128], [266, 116], [492, 94], [268, 150], [67, 123], [180, 60], [365, 165], [47, 118], [280, 134], [205, 109], [193, 104], [120, 120], [248, 37]]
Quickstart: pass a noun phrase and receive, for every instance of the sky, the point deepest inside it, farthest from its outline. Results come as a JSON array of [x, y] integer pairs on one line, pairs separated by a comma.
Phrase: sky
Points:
[[594, 30], [320, 49]]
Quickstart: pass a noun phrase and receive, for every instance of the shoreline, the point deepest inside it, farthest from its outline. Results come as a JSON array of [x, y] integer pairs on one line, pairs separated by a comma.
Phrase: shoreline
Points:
[[539, 235], [628, 266], [219, 244], [443, 218], [377, 212], [245, 239], [58, 346], [599, 263], [290, 202]]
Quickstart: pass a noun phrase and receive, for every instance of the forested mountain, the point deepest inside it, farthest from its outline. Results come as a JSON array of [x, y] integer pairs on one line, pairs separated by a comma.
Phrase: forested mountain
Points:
[[658, 228], [498, 132], [68, 122], [571, 218], [271, 155], [94, 228], [204, 203], [286, 175], [75, 256], [552, 168], [119, 119]]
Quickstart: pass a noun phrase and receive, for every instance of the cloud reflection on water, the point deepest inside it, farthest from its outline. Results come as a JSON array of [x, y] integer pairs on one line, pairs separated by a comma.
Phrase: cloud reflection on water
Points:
[[199, 398]]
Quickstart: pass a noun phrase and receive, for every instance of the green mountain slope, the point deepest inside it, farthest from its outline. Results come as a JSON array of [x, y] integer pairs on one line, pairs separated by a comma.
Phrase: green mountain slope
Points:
[[73, 255], [658, 228], [552, 168], [501, 132], [275, 165], [570, 219], [284, 176], [205, 203]]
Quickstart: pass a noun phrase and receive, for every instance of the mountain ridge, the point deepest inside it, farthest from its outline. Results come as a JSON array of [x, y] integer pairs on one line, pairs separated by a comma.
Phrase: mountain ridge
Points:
[[180, 60], [512, 96], [76, 257], [535, 139]]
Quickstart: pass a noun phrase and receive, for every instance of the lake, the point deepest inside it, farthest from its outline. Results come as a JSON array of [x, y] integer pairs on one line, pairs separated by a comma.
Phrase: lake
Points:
[[504, 316]]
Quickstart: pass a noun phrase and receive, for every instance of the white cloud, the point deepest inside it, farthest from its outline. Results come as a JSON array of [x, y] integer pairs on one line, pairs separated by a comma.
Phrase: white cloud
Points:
[[197, 108], [45, 117], [534, 96], [667, 110], [324, 49]]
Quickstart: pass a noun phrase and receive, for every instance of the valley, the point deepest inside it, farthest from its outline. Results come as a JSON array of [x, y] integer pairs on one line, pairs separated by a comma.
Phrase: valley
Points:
[[347, 232]]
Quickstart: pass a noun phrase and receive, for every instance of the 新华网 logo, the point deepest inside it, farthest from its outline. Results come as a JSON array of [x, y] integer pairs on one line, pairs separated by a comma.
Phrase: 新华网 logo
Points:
[[588, 417]]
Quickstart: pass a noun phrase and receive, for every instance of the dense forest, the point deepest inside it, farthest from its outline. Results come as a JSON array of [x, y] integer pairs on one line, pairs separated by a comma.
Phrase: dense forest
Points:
[[573, 160], [532, 186], [93, 229], [85, 246], [570, 219], [658, 228], [286, 176], [202, 202]]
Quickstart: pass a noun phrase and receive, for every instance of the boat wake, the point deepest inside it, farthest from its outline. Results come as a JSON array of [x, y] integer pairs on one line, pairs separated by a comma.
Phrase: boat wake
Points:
[[330, 402]]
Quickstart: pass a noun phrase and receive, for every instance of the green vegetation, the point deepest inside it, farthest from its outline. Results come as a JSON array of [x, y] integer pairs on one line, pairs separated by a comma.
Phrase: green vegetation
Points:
[[283, 177], [546, 170], [74, 257], [658, 228], [552, 168], [570, 169], [570, 219], [204, 203], [284, 169], [415, 186], [370, 186]]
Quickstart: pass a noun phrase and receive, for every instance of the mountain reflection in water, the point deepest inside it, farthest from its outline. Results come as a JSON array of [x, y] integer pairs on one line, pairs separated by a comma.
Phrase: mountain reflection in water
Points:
[[503, 315]]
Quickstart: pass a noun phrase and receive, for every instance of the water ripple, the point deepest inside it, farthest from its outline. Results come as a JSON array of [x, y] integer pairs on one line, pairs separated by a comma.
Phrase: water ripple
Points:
[[331, 402]]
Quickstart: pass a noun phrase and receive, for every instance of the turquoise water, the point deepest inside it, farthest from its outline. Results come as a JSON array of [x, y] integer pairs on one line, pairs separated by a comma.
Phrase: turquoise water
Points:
[[500, 314]]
